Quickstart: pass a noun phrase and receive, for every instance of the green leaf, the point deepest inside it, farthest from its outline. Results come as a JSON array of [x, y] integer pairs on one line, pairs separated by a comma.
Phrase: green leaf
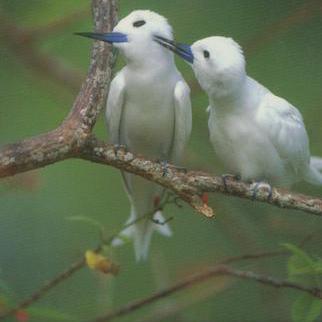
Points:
[[306, 309], [318, 266], [299, 262], [47, 313]]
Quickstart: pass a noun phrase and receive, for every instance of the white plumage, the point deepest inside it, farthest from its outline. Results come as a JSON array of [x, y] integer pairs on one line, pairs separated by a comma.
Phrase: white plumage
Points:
[[148, 111], [257, 134]]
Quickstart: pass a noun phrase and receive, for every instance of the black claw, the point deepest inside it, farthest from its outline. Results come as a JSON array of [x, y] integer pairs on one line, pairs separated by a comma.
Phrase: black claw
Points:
[[165, 166], [256, 188], [224, 178]]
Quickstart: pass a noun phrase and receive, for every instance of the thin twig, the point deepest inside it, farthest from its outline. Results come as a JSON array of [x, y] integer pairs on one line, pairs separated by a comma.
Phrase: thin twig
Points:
[[79, 264], [218, 270]]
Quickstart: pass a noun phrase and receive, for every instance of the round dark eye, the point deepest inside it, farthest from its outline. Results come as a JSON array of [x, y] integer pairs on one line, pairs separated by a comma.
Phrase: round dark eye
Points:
[[206, 54], [138, 23]]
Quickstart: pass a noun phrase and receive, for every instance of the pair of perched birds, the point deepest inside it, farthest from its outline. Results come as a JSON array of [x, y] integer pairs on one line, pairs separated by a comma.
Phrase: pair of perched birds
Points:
[[258, 135]]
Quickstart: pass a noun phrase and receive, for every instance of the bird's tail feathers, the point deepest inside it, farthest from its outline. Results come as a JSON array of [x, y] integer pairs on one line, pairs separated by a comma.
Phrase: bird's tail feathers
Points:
[[316, 162], [141, 233], [313, 175]]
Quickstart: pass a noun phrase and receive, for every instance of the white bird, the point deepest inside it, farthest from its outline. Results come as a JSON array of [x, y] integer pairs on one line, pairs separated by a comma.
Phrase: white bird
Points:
[[148, 111], [258, 135]]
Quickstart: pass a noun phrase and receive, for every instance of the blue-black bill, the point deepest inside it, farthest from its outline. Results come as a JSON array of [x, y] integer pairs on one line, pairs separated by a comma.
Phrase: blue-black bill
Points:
[[182, 50], [110, 37]]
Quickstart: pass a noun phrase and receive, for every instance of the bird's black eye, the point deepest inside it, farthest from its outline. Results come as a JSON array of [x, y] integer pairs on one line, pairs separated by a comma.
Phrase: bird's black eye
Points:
[[138, 23], [206, 54]]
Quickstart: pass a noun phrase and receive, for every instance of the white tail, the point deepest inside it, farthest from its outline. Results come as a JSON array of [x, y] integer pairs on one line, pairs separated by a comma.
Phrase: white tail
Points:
[[141, 233], [316, 163], [313, 175]]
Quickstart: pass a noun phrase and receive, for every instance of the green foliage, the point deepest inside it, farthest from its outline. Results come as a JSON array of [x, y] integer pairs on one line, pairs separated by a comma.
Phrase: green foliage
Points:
[[306, 308], [300, 262]]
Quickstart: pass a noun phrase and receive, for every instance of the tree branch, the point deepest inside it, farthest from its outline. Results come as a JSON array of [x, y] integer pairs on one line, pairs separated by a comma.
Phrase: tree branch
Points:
[[70, 141], [218, 270], [191, 185], [73, 139]]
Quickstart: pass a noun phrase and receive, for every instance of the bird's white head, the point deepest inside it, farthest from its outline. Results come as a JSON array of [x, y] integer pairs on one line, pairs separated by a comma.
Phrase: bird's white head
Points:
[[134, 37], [218, 63]]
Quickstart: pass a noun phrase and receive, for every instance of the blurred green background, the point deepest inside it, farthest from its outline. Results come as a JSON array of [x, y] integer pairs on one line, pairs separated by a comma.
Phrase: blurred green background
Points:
[[282, 43]]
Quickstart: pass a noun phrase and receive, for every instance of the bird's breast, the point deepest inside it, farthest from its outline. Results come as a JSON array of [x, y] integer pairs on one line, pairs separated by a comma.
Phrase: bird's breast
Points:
[[147, 124]]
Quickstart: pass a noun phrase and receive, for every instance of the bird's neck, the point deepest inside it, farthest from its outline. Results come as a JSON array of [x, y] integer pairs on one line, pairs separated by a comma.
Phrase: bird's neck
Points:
[[233, 100], [154, 62]]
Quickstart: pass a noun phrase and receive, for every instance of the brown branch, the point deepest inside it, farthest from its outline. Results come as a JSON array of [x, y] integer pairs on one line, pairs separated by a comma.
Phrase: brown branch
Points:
[[218, 270], [53, 147], [191, 185], [73, 139]]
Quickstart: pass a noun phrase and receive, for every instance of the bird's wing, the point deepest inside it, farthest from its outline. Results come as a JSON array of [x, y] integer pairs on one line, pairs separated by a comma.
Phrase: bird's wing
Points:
[[114, 107], [183, 120], [284, 126]]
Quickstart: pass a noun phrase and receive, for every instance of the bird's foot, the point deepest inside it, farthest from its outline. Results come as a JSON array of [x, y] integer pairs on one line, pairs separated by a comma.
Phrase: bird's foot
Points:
[[165, 167], [118, 147], [224, 178], [261, 186]]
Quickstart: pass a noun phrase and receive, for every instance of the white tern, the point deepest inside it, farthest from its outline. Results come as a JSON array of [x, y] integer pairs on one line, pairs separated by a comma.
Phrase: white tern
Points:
[[148, 111], [258, 135]]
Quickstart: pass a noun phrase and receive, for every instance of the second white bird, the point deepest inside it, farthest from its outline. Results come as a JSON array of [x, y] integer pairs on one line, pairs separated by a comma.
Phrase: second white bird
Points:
[[257, 134]]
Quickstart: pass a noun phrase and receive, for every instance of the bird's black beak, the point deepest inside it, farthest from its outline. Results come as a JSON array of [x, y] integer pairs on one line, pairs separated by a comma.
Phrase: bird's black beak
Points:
[[182, 50], [110, 37]]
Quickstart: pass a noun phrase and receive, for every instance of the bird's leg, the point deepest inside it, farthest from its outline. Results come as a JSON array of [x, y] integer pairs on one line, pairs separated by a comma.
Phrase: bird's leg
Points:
[[118, 147], [224, 178], [165, 166], [259, 185]]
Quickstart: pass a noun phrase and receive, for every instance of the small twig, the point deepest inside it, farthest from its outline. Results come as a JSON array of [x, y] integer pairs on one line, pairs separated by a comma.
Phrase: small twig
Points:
[[244, 257], [79, 264], [217, 270]]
